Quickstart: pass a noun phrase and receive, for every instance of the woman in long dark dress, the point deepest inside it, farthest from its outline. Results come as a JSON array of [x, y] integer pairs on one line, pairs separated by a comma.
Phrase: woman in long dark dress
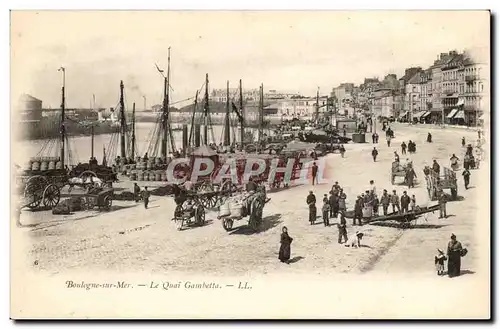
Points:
[[285, 250], [454, 254]]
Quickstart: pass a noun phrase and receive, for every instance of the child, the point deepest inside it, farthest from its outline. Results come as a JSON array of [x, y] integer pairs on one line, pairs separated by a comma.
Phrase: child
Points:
[[439, 262], [326, 212], [342, 229]]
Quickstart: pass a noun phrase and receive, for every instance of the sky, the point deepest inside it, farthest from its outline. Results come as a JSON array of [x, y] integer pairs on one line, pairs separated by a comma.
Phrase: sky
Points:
[[296, 51]]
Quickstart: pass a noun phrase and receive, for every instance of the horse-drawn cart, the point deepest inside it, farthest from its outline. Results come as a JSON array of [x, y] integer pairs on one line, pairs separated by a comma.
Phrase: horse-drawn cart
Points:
[[102, 198], [40, 188], [190, 212], [248, 204], [437, 183], [399, 170]]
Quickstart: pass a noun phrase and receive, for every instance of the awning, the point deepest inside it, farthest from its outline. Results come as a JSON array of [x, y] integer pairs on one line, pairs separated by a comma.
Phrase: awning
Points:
[[459, 115], [451, 114], [426, 114], [418, 115], [403, 114]]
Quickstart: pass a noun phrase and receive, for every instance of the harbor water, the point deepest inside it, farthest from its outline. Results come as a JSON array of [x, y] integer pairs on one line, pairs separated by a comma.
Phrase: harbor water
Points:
[[80, 146]]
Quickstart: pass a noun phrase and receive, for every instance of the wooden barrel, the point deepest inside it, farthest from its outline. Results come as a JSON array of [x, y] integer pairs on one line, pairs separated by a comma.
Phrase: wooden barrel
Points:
[[133, 175], [157, 176], [52, 165], [35, 165], [158, 161], [145, 166], [151, 176], [163, 176], [59, 165], [44, 165], [28, 165], [133, 166], [140, 175]]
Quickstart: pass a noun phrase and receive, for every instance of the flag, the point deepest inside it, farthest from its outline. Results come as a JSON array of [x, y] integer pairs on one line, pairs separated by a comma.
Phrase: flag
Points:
[[61, 69], [161, 71]]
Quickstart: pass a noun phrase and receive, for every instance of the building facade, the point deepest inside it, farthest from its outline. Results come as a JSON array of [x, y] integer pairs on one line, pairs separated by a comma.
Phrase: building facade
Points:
[[474, 90]]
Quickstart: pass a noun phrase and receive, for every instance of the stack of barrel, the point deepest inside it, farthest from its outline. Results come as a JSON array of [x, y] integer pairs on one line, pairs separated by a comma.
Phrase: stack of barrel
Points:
[[149, 170], [44, 164]]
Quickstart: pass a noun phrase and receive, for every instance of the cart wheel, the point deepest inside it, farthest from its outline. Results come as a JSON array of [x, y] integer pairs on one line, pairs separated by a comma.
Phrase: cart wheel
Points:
[[178, 211], [51, 196], [453, 194], [107, 203], [200, 216], [179, 222], [33, 191], [227, 223]]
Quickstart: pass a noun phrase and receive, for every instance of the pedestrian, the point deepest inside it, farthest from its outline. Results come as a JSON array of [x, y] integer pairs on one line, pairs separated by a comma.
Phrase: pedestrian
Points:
[[374, 154], [342, 229], [403, 148], [429, 138], [466, 175], [463, 141], [435, 167], [375, 204], [396, 157], [388, 140], [385, 200], [336, 186], [454, 162], [410, 176], [342, 150], [454, 253], [314, 173], [373, 138], [442, 205], [325, 198], [137, 193], [326, 212], [373, 188], [376, 138], [342, 200], [395, 202], [413, 202], [285, 246], [145, 197], [405, 202], [311, 202], [358, 211], [334, 203], [439, 260], [355, 240]]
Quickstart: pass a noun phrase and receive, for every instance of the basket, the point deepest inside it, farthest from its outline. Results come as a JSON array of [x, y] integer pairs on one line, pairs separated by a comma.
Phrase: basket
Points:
[[224, 210], [236, 209]]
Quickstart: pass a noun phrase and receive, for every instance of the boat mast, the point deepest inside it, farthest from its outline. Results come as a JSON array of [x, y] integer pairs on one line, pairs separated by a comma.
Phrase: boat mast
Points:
[[192, 118], [242, 119], [207, 109], [123, 126], [260, 114], [132, 155], [227, 137], [92, 141], [165, 113], [63, 105]]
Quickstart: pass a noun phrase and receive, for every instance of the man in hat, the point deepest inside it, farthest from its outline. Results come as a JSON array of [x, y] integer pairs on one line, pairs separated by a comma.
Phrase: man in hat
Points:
[[355, 240], [334, 203], [442, 205], [336, 186], [373, 188], [326, 212], [342, 229], [145, 197], [466, 175], [403, 148], [137, 192], [314, 172], [385, 199], [405, 202], [251, 186], [410, 176], [435, 166], [358, 211], [374, 154], [311, 202], [342, 200], [395, 201]]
